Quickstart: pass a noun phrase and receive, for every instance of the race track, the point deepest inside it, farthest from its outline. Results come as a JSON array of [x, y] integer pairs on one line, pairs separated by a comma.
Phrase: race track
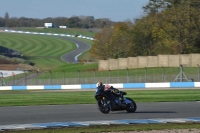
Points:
[[89, 112], [71, 56], [81, 47]]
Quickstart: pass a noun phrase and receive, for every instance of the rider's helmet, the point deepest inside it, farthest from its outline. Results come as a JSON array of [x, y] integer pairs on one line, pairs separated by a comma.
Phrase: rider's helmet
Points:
[[107, 87], [99, 84]]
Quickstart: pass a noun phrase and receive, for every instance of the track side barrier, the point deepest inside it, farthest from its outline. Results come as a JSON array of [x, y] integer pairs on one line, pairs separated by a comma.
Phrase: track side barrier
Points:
[[117, 85], [51, 34]]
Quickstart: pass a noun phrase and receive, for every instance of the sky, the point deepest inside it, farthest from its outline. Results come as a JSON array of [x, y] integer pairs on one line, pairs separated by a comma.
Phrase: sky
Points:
[[115, 10]]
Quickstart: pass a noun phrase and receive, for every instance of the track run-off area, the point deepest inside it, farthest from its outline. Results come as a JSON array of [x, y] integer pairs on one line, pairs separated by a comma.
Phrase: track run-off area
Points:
[[46, 116]]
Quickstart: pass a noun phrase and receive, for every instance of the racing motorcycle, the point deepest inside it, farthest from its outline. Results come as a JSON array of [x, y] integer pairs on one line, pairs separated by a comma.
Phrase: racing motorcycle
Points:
[[109, 101]]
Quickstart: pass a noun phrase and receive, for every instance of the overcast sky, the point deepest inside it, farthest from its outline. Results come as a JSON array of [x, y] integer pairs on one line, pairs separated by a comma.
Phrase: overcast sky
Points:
[[115, 10]]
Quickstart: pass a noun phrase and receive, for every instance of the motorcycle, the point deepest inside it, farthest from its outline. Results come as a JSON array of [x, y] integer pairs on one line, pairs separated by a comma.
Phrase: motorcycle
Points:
[[109, 101]]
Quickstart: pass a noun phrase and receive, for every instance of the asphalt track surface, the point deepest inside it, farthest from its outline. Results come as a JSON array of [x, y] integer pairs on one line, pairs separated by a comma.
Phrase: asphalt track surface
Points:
[[89, 112], [81, 47]]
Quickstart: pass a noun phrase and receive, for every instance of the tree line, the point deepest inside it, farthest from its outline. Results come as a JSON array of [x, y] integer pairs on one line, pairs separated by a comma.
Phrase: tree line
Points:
[[167, 27], [72, 22]]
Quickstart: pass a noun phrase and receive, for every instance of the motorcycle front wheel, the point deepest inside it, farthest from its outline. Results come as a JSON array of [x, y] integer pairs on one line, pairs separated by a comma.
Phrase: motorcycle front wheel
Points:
[[103, 106], [131, 107]]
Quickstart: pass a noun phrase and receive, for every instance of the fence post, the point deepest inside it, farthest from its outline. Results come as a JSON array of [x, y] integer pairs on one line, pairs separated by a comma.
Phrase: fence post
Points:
[[198, 72], [13, 79], [50, 77], [64, 77], [127, 72], [181, 70], [94, 75], [109, 75], [163, 74], [25, 77], [137, 78], [37, 77], [78, 77], [145, 74], [154, 75], [1, 78]]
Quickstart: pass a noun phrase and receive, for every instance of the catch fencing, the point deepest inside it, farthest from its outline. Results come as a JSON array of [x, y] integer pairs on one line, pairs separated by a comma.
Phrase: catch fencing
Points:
[[143, 75]]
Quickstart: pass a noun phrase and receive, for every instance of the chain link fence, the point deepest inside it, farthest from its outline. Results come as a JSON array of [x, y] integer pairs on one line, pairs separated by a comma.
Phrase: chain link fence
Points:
[[143, 75]]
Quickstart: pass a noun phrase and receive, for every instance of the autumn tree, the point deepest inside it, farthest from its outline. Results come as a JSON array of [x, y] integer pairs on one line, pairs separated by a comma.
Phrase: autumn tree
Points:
[[112, 42], [120, 40], [184, 24], [101, 49], [177, 20]]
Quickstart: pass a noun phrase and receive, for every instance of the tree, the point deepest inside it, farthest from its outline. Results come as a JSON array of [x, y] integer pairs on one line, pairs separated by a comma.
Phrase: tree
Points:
[[6, 18], [112, 42], [178, 20], [120, 40], [155, 6], [73, 22], [2, 22], [102, 47], [180, 26]]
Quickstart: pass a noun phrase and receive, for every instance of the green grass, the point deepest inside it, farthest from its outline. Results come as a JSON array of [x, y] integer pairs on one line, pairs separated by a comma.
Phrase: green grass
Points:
[[44, 51], [25, 98], [115, 128], [75, 67], [70, 31]]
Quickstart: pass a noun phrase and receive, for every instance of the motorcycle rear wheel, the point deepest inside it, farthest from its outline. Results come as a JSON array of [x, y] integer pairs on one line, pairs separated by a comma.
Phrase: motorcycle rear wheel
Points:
[[131, 108], [103, 106]]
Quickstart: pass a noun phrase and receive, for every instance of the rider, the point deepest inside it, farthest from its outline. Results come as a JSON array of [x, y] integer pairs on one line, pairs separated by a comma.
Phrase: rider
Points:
[[107, 87]]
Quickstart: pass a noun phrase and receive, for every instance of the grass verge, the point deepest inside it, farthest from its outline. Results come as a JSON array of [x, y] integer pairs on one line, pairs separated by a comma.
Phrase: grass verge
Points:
[[26, 98], [44, 51]]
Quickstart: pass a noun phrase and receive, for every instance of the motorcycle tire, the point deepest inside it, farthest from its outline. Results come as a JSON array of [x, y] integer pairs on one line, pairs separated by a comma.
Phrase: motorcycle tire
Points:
[[131, 108], [103, 108]]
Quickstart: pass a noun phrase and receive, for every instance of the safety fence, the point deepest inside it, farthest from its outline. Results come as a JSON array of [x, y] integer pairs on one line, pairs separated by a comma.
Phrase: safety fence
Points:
[[143, 75]]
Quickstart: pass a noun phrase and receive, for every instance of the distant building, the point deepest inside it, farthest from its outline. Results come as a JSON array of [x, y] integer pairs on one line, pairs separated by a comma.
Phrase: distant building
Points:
[[62, 26], [48, 25]]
